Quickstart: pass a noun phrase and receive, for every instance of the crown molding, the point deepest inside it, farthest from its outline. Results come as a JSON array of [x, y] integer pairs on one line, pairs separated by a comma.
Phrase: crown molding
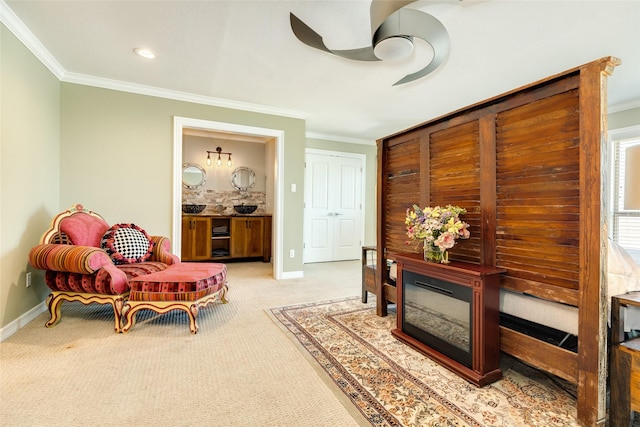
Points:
[[87, 80], [22, 33], [338, 138], [628, 105]]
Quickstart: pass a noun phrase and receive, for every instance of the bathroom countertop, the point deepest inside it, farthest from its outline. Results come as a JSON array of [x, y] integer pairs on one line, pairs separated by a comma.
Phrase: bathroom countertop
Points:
[[215, 215]]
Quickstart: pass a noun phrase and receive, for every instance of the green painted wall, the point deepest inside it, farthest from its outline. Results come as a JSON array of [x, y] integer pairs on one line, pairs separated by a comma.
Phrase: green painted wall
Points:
[[29, 171], [117, 157]]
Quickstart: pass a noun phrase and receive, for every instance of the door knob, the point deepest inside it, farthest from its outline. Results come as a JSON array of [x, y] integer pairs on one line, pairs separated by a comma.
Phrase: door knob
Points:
[[330, 214]]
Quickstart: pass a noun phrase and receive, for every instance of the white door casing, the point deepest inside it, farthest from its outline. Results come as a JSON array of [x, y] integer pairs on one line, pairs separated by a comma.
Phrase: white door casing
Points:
[[333, 219], [179, 123]]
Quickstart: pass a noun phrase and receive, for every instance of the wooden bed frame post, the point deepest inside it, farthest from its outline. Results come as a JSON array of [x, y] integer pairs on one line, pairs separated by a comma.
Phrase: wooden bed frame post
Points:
[[592, 336]]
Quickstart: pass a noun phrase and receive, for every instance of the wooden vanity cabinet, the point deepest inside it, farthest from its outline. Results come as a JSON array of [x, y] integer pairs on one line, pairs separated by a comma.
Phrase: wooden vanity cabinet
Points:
[[247, 237], [224, 238], [196, 238]]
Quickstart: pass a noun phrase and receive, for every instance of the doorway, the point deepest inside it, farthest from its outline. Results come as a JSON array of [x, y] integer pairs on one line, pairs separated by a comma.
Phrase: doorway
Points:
[[333, 201], [179, 124]]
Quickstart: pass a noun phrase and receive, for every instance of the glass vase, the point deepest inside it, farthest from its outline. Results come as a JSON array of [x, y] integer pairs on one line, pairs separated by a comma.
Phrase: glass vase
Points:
[[434, 254]]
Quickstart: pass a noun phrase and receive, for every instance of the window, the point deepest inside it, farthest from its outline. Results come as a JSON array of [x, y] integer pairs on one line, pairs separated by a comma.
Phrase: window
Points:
[[625, 223]]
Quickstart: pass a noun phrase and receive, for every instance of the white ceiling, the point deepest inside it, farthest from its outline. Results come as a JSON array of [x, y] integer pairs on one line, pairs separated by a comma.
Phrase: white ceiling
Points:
[[243, 53]]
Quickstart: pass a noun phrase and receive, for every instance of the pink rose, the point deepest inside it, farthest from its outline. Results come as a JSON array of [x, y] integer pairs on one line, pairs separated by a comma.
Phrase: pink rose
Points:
[[445, 241]]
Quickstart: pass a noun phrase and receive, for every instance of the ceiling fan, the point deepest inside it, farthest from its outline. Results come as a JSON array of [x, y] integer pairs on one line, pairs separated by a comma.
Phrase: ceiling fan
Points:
[[393, 28]]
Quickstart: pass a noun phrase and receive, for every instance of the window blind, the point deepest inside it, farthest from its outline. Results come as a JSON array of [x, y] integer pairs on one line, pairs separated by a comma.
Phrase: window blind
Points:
[[625, 223]]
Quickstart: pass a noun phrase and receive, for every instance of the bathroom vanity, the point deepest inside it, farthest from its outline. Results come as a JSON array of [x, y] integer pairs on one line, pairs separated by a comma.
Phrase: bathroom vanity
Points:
[[224, 238], [217, 234]]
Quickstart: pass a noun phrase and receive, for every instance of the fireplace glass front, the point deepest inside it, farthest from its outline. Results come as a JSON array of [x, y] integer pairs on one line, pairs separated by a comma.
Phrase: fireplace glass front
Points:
[[439, 314]]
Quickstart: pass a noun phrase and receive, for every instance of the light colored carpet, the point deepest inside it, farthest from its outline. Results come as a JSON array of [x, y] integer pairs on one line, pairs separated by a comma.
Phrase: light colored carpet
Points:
[[391, 384], [238, 370]]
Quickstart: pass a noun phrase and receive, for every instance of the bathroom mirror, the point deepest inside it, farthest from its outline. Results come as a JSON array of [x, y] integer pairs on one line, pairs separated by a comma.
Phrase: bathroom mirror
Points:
[[193, 176], [243, 178]]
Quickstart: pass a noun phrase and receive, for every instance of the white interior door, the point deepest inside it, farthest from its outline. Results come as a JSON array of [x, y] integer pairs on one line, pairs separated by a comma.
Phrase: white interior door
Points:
[[333, 207]]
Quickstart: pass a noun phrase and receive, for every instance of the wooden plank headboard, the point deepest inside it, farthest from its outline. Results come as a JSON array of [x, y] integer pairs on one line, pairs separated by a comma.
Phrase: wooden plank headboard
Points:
[[528, 167]]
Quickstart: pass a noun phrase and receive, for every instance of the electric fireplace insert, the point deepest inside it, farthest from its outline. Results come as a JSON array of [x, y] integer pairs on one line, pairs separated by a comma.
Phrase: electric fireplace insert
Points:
[[439, 314], [450, 312]]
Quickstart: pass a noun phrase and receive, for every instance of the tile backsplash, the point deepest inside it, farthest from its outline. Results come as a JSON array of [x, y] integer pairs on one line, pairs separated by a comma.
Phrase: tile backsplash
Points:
[[222, 202]]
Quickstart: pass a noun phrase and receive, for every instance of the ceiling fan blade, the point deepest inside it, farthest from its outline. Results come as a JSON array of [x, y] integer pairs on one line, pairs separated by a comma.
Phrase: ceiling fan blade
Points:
[[381, 9], [305, 34], [414, 23], [360, 54], [308, 36]]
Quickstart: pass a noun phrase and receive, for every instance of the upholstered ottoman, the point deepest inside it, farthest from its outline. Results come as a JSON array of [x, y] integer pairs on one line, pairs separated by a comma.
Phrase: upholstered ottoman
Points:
[[185, 286]]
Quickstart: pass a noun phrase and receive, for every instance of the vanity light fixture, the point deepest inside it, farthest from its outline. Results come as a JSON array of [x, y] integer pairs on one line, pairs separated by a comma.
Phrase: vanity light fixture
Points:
[[219, 160]]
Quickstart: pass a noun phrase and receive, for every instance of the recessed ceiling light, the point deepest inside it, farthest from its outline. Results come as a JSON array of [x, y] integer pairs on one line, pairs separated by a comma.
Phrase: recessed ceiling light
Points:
[[145, 53]]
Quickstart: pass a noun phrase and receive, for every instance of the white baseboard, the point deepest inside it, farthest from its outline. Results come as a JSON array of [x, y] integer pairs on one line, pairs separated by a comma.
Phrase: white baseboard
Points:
[[292, 274], [21, 321]]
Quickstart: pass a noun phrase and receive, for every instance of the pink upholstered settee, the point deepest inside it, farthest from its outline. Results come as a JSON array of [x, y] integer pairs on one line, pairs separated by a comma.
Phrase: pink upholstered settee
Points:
[[87, 260]]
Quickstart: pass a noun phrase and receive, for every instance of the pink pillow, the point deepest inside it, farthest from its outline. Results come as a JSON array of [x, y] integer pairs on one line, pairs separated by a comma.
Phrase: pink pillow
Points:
[[84, 229]]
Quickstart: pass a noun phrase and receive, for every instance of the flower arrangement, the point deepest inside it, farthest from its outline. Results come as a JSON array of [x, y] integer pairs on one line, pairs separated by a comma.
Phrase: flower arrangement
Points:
[[438, 228]]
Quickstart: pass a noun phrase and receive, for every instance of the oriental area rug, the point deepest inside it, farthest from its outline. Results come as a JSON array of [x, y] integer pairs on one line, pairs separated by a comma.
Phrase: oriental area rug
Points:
[[388, 383]]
